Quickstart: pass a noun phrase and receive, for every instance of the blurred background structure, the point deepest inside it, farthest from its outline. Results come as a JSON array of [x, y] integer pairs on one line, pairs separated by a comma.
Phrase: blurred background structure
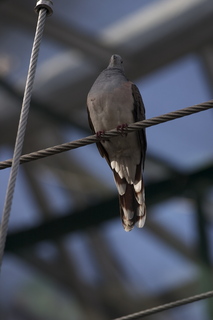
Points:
[[67, 255]]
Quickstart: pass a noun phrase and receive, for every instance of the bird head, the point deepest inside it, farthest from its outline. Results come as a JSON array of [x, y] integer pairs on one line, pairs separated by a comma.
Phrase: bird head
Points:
[[116, 62]]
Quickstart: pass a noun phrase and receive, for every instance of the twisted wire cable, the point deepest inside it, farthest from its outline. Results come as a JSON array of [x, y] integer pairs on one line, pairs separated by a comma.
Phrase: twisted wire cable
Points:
[[110, 134], [178, 303], [21, 130]]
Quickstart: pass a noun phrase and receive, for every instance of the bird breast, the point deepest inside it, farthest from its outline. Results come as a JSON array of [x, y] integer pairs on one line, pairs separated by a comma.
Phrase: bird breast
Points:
[[112, 107]]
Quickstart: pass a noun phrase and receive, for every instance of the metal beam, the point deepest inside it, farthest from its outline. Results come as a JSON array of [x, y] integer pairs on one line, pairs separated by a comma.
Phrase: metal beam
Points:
[[82, 219]]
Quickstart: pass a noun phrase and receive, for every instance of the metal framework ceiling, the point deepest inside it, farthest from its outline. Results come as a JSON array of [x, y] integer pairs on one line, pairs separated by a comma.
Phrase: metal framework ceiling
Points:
[[71, 220]]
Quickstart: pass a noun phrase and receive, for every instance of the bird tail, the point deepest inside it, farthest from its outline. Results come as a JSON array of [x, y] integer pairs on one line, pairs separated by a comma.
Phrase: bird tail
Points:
[[132, 202]]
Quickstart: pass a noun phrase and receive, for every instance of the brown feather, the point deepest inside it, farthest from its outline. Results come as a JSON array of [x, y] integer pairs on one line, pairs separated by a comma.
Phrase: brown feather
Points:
[[131, 205]]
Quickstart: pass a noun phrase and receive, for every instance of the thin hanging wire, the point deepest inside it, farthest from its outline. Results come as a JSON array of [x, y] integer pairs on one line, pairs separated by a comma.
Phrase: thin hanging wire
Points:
[[163, 307], [21, 130], [109, 134]]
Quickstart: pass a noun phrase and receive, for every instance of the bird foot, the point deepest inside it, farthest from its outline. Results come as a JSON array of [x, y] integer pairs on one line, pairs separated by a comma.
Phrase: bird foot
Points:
[[122, 128], [100, 134]]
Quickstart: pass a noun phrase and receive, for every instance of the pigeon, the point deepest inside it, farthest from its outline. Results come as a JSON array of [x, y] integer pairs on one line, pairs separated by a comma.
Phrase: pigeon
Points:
[[114, 102]]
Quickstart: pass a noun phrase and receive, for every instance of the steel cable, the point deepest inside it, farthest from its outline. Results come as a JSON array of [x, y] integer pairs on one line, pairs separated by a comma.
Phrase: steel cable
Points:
[[163, 307], [109, 134], [21, 130]]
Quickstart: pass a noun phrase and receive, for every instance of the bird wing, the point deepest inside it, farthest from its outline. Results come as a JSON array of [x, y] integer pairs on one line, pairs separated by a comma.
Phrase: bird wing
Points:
[[99, 145], [139, 115]]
